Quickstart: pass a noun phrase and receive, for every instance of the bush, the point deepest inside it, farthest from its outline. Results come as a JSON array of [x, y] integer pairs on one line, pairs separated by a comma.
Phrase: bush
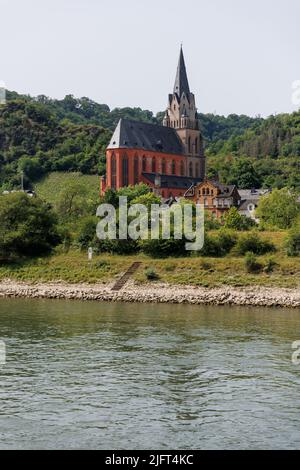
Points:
[[234, 220], [151, 274], [219, 245], [251, 263], [292, 244], [254, 244], [119, 247], [270, 266], [28, 226], [163, 248], [87, 232]]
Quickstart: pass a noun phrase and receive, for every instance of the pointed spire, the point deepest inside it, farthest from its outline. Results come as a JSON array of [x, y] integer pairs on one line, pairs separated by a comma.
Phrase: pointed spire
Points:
[[181, 81]]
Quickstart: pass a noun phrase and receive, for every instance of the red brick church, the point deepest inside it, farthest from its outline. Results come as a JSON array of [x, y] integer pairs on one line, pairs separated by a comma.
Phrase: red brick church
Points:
[[170, 157]]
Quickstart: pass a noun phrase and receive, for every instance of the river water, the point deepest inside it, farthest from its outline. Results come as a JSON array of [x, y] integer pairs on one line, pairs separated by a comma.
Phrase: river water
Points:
[[133, 376]]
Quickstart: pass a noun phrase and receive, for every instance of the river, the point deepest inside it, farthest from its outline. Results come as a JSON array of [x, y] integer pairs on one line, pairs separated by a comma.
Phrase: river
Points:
[[88, 375]]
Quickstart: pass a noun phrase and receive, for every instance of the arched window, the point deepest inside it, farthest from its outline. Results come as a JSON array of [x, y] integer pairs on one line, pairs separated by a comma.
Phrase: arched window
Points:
[[136, 169], [189, 145], [173, 167], [203, 191], [196, 145], [190, 169], [163, 166], [153, 165], [144, 164], [197, 170], [207, 191], [181, 168], [113, 169], [125, 170]]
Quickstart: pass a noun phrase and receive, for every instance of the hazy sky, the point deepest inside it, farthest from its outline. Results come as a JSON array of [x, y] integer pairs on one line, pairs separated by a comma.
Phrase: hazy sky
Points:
[[242, 56]]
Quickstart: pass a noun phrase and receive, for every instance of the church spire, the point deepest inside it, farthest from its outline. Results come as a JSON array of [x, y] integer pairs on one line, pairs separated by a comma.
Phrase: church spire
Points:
[[181, 81]]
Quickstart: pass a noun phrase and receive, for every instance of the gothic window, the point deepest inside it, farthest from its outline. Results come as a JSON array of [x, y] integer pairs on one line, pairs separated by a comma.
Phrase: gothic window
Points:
[[197, 170], [125, 170], [203, 191], [190, 169], [163, 166], [181, 168], [189, 145], [153, 165], [173, 167], [144, 164], [136, 169], [113, 169], [196, 145]]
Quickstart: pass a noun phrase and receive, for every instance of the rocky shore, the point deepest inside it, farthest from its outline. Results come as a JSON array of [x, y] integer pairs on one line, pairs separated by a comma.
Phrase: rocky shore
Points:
[[155, 293]]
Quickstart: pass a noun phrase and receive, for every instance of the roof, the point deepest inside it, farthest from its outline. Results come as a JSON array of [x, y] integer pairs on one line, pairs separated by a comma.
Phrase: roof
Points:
[[253, 194], [142, 135], [171, 181], [181, 81], [245, 203], [225, 190]]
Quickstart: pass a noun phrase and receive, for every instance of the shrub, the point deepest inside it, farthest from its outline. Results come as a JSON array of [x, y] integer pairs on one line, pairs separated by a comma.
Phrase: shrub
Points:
[[163, 248], [253, 243], [251, 263], [219, 245], [87, 232], [151, 274], [292, 244], [234, 220], [270, 266], [119, 247]]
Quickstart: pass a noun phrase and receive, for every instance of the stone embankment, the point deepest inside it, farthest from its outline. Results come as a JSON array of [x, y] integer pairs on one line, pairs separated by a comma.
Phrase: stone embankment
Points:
[[155, 293]]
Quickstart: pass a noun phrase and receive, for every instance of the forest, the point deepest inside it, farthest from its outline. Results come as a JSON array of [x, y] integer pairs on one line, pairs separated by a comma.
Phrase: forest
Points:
[[39, 135]]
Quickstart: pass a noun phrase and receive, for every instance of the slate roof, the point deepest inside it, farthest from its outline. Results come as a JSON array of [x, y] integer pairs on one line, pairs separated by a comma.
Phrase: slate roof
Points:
[[225, 190], [171, 181], [141, 135], [181, 80]]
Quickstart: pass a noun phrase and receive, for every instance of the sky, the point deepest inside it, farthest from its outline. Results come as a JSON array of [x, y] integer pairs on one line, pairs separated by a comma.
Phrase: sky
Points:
[[242, 56]]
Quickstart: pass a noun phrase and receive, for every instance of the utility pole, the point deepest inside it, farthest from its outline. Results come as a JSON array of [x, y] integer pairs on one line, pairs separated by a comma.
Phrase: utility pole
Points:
[[22, 180]]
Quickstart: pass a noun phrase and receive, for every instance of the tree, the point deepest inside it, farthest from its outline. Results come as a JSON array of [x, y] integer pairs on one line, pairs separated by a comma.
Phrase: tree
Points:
[[236, 221], [279, 208], [73, 202], [28, 226]]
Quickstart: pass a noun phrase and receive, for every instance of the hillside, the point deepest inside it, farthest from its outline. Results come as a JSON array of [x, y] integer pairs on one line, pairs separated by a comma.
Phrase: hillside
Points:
[[268, 154], [41, 135]]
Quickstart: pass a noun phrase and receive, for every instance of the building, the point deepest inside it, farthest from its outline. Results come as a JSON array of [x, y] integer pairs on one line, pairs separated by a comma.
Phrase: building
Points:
[[169, 157], [249, 201], [217, 198]]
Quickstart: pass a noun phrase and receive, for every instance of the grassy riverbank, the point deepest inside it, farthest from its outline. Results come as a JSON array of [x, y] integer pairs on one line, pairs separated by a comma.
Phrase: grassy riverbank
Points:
[[73, 267]]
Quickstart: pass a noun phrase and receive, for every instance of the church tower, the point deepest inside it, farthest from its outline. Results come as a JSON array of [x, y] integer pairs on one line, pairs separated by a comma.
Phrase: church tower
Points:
[[181, 115]]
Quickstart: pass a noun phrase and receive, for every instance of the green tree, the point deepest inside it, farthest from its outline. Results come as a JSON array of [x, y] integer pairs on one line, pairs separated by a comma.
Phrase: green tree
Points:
[[234, 220], [28, 226], [279, 209]]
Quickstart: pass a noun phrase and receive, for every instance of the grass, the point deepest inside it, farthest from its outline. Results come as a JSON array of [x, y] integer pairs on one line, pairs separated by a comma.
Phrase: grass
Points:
[[74, 267], [50, 187]]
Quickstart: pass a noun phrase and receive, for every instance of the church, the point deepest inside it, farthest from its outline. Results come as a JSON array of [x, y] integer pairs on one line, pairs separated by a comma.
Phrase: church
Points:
[[169, 157]]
